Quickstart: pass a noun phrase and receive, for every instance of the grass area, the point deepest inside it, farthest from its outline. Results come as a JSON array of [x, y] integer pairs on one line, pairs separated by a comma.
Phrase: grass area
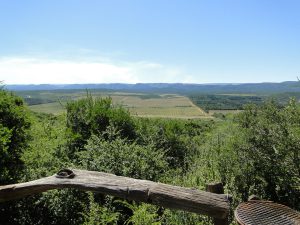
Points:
[[54, 108], [139, 104], [224, 111]]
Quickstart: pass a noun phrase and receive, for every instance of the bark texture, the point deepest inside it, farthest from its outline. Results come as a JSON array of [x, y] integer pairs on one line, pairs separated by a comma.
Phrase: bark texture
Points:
[[168, 196]]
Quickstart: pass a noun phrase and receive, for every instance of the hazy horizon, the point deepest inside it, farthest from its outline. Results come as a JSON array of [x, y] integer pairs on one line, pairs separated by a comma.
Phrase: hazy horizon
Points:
[[65, 84]]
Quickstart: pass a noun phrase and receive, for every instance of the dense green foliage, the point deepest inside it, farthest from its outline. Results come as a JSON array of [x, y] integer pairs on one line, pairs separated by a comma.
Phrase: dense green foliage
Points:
[[225, 102], [254, 152], [87, 117], [271, 148], [14, 137], [14, 123]]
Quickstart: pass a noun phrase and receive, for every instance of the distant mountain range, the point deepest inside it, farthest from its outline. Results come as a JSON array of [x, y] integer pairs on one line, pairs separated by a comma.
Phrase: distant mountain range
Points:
[[287, 86]]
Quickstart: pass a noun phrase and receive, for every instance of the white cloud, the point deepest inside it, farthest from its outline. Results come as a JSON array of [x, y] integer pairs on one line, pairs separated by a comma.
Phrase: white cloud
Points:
[[24, 70]]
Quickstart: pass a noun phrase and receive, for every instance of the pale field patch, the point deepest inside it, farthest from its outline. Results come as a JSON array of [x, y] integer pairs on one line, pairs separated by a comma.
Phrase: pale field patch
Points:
[[170, 106], [139, 104]]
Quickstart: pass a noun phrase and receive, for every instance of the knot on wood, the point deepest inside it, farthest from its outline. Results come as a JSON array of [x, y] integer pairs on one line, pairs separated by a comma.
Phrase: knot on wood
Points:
[[65, 173]]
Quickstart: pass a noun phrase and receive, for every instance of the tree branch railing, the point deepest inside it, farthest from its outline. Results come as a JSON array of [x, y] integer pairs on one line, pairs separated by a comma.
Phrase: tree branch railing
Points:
[[168, 196]]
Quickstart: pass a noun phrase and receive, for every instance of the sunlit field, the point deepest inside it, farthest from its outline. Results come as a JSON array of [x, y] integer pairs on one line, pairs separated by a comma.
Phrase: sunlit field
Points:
[[139, 104]]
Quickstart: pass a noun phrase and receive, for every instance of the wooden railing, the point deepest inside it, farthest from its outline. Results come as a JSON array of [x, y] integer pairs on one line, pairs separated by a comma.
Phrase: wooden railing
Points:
[[168, 196]]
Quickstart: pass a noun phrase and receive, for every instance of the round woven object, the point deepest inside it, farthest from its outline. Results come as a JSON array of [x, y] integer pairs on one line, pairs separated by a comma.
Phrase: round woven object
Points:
[[265, 212]]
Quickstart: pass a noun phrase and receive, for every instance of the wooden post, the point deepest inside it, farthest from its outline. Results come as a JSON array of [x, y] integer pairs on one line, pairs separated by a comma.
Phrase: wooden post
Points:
[[218, 189]]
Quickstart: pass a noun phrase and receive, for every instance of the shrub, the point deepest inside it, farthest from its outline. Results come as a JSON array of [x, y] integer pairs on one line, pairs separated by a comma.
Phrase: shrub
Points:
[[123, 158], [92, 116], [14, 136], [272, 149]]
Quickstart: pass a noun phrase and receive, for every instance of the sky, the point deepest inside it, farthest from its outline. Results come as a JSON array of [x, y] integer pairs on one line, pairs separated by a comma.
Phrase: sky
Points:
[[143, 41]]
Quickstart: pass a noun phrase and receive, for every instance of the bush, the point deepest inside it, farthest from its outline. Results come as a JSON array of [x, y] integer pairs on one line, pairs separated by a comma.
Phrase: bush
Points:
[[14, 136], [258, 154], [92, 116], [272, 149], [122, 158]]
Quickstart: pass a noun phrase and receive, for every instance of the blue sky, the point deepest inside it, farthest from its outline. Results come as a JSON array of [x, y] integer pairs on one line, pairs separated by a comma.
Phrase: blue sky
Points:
[[129, 41]]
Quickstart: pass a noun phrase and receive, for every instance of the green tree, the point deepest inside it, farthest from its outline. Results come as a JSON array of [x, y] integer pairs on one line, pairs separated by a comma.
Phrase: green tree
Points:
[[272, 148], [92, 116], [14, 136]]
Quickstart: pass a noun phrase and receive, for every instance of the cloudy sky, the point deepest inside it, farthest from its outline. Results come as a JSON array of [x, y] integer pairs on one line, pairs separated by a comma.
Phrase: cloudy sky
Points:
[[128, 41]]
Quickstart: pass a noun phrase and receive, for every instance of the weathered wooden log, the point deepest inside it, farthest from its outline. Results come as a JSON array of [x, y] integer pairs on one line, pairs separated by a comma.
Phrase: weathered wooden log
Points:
[[165, 195]]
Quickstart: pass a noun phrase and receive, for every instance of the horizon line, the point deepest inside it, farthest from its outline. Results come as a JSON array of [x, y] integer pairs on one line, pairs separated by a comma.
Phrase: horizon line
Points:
[[208, 83]]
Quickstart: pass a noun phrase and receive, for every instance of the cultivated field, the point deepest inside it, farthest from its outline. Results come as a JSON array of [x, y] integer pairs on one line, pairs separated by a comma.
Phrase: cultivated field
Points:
[[172, 106], [225, 111], [139, 104]]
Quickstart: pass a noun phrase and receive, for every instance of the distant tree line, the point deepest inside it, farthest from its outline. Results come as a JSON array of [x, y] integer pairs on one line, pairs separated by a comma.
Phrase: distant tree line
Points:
[[224, 102]]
